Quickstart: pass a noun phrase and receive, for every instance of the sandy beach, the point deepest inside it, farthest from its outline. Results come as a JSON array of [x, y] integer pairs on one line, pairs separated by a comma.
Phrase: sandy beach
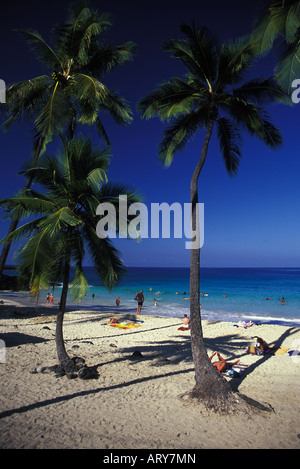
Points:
[[134, 403]]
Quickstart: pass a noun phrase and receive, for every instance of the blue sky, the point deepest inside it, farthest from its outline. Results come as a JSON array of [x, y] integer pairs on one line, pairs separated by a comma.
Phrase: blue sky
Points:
[[252, 219]]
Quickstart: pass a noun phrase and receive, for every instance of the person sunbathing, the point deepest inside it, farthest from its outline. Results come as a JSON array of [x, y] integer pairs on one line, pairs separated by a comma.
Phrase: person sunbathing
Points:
[[222, 365]]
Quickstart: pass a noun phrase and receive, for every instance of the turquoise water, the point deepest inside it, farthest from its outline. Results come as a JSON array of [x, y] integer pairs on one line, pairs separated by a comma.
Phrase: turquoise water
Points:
[[246, 291]]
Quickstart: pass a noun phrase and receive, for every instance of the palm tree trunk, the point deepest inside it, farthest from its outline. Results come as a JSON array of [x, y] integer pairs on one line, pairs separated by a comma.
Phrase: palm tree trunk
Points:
[[64, 360], [211, 387], [15, 221]]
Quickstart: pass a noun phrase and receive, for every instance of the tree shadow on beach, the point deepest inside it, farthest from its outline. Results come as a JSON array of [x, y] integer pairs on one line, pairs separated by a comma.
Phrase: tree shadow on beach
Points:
[[276, 344], [13, 339]]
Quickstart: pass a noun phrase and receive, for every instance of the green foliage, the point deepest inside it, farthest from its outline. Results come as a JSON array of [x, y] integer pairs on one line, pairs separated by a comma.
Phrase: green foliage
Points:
[[73, 90], [63, 218], [211, 91], [278, 25]]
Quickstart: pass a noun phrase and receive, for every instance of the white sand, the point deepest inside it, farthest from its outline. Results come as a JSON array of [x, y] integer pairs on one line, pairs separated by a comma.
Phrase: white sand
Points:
[[134, 404]]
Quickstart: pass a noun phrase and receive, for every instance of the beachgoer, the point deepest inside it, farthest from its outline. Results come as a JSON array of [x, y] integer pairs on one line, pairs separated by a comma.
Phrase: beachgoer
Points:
[[155, 302], [118, 301], [140, 299], [263, 346], [51, 299], [222, 365], [186, 322], [48, 298]]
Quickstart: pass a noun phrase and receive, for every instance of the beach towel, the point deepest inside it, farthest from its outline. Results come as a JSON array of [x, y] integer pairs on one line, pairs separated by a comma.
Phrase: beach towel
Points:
[[281, 350], [243, 324], [123, 325], [236, 370]]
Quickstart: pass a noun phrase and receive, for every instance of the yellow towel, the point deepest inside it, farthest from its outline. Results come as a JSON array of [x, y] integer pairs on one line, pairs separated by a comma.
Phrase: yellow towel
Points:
[[281, 350]]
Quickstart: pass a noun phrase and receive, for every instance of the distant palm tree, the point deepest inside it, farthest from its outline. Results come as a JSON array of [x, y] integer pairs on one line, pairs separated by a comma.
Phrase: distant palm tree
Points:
[[73, 91], [278, 22], [73, 184], [209, 96]]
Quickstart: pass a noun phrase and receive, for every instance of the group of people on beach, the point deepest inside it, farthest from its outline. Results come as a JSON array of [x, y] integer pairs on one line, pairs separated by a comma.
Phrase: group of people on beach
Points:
[[49, 299]]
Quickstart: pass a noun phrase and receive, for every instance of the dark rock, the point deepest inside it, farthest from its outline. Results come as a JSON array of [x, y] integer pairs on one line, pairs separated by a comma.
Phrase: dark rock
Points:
[[136, 355], [87, 373]]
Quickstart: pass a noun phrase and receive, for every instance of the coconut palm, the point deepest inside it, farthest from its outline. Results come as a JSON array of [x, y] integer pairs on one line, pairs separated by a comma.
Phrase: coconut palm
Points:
[[73, 90], [64, 226], [278, 21], [210, 96]]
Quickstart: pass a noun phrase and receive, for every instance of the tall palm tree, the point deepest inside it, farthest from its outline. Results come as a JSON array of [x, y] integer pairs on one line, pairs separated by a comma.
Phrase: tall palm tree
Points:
[[73, 91], [209, 97], [64, 225], [278, 22]]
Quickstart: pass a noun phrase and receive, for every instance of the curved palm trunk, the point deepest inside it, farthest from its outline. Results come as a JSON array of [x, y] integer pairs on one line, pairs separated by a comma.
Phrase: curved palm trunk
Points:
[[210, 386], [64, 360], [15, 221]]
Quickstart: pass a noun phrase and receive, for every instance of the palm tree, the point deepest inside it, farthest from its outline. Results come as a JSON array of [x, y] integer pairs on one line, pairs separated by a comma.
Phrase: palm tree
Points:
[[278, 21], [73, 91], [64, 228], [209, 96]]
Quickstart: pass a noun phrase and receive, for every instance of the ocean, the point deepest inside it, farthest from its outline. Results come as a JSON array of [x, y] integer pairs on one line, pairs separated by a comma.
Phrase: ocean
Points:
[[246, 291]]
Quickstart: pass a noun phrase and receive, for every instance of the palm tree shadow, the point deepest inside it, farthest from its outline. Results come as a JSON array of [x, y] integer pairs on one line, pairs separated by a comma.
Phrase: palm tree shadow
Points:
[[163, 353], [14, 339], [235, 383]]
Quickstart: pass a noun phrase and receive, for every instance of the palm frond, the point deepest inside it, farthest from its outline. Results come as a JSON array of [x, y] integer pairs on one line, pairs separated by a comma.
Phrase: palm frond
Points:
[[199, 52], [55, 115], [254, 119], [88, 88], [230, 144], [287, 68], [261, 91], [117, 107], [79, 286], [179, 133], [171, 98], [34, 255], [264, 32], [24, 99], [106, 258], [106, 58], [24, 205], [44, 52], [236, 58]]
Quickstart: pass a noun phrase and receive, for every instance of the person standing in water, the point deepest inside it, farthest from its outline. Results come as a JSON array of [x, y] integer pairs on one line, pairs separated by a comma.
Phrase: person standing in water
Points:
[[140, 299]]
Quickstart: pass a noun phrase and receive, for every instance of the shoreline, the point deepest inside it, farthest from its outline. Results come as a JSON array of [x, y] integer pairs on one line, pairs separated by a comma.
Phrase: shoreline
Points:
[[23, 298], [134, 403]]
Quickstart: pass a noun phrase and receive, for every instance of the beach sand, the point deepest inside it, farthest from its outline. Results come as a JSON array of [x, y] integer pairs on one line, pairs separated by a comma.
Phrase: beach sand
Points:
[[134, 402]]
